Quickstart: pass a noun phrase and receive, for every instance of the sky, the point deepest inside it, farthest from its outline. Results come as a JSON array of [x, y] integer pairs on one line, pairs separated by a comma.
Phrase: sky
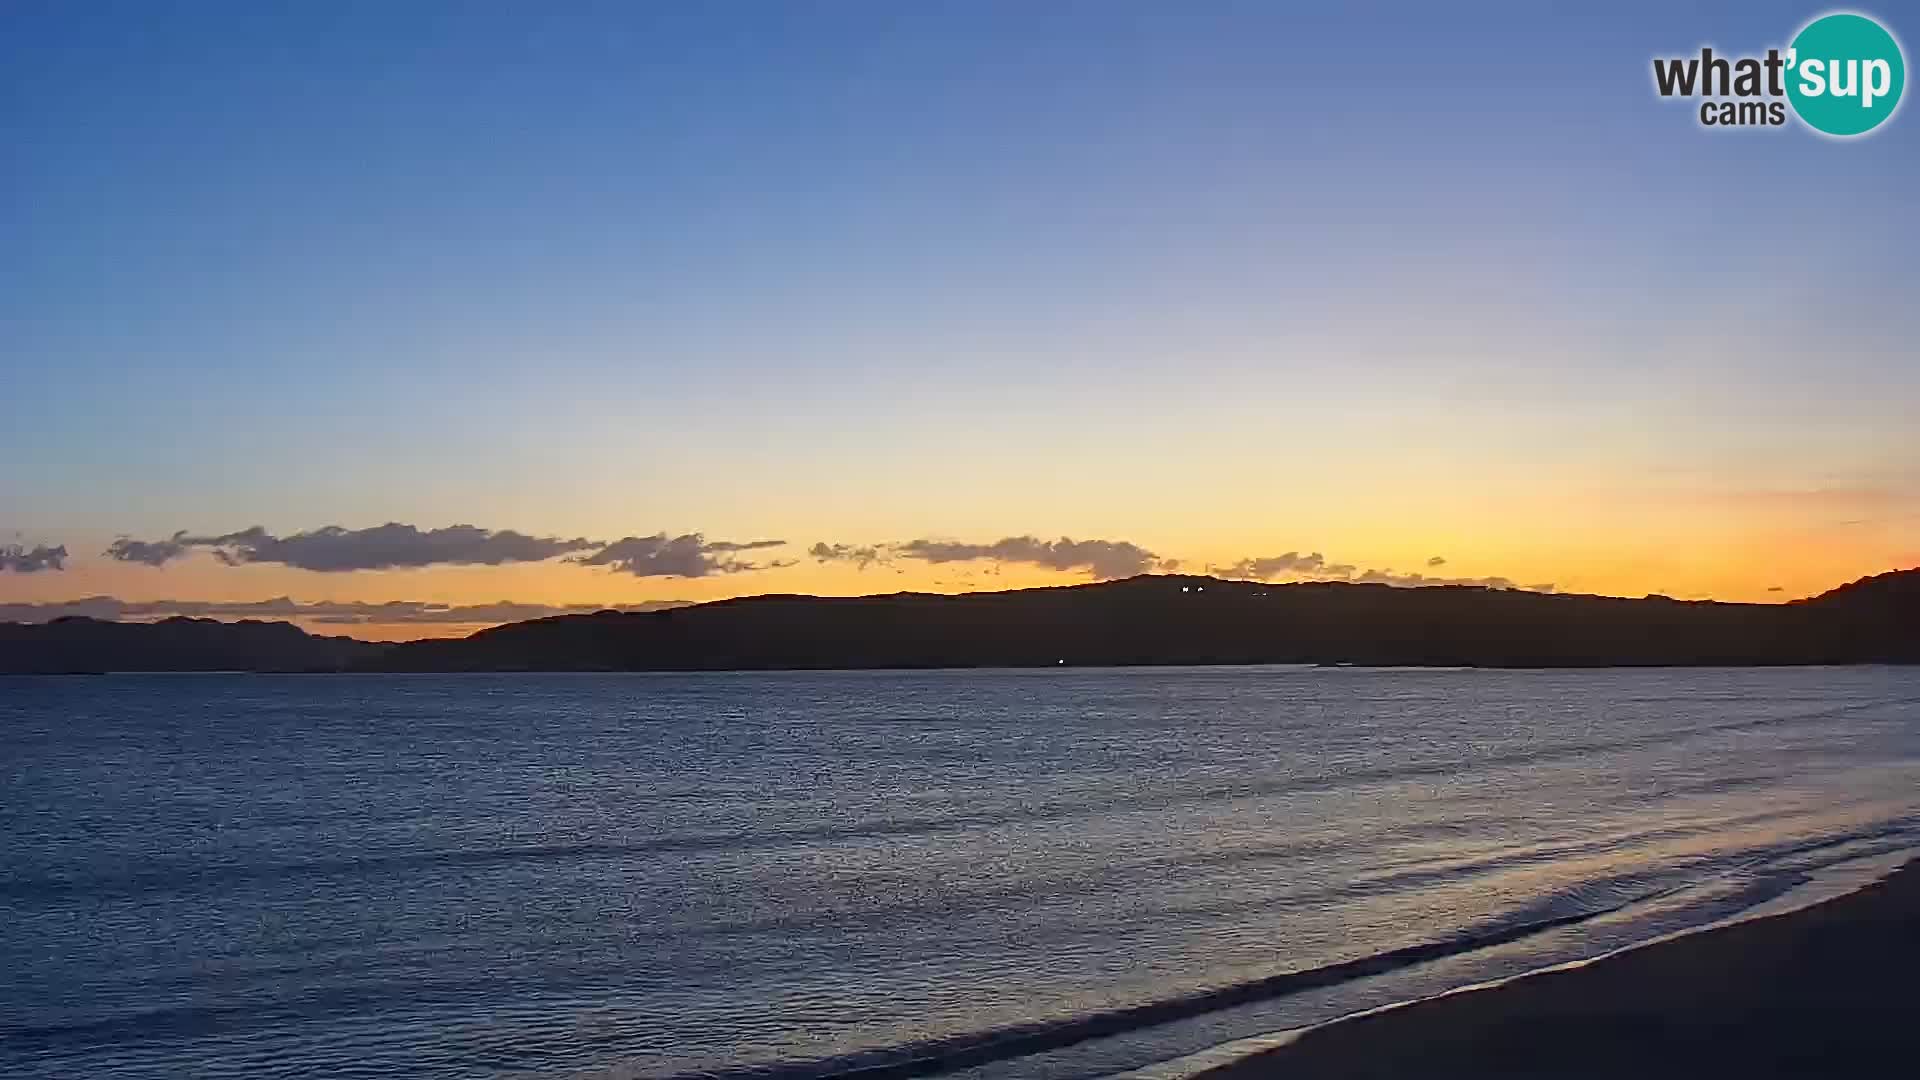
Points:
[[437, 306]]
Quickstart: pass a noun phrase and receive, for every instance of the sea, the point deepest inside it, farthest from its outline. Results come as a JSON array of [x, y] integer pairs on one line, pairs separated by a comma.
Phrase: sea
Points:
[[1029, 874]]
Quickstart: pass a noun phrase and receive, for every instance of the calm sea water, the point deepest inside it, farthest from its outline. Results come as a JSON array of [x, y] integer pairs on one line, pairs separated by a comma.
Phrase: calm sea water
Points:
[[1028, 874]]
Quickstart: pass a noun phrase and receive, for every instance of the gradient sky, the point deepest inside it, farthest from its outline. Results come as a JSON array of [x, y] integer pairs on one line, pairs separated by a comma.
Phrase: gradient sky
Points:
[[1220, 281]]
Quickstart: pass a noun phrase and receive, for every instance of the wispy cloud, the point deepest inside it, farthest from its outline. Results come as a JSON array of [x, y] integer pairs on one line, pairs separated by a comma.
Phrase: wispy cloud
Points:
[[1267, 567], [18, 559], [1315, 566], [1100, 559], [860, 555], [149, 552], [335, 549], [1415, 580], [691, 555], [322, 611]]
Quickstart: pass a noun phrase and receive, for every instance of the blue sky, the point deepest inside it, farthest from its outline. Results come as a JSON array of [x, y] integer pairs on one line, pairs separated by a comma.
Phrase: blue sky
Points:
[[1220, 279]]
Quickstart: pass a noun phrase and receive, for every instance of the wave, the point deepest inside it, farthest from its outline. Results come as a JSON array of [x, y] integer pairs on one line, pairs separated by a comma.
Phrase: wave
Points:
[[182, 878], [1754, 878], [969, 1049], [1757, 877], [1747, 901]]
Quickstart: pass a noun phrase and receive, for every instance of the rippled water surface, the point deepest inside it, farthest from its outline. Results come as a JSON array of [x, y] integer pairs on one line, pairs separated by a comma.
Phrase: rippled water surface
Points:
[[1034, 874]]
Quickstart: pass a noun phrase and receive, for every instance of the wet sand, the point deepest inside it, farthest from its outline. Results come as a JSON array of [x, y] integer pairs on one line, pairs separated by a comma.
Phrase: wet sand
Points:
[[1831, 990]]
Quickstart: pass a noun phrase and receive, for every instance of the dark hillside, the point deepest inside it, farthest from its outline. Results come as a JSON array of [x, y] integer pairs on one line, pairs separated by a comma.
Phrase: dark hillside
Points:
[[1199, 620]]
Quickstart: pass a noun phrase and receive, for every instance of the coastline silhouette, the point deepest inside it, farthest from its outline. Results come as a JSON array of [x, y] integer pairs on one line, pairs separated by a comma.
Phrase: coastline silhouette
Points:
[[1145, 620]]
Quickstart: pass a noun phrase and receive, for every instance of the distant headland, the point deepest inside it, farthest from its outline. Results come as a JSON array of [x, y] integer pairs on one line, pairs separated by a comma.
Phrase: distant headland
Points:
[[1146, 620]]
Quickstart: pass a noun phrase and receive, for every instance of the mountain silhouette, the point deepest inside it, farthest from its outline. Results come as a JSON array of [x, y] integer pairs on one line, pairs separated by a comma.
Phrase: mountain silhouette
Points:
[[1179, 619], [78, 645], [1152, 619]]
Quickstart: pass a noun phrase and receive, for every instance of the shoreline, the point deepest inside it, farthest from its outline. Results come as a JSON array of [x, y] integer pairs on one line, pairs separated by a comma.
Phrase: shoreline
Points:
[[1818, 990], [1225, 665]]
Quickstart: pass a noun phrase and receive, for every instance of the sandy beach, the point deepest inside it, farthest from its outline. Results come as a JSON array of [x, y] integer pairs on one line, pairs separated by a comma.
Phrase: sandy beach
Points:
[[1824, 991]]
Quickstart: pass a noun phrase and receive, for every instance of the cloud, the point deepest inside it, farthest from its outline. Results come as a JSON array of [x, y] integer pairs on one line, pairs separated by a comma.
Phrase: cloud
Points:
[[1273, 566], [334, 549], [860, 555], [690, 555], [326, 611], [743, 545], [1416, 580], [148, 552], [24, 560], [1315, 567], [1100, 559]]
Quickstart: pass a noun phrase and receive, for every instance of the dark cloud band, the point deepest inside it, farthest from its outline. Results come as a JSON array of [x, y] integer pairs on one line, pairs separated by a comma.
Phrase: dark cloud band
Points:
[[399, 546], [334, 549], [1100, 559], [325, 611], [690, 555], [1314, 566], [24, 560]]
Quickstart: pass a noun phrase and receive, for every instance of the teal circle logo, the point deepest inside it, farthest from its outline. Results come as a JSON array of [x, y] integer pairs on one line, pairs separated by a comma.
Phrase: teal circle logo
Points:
[[1844, 74]]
